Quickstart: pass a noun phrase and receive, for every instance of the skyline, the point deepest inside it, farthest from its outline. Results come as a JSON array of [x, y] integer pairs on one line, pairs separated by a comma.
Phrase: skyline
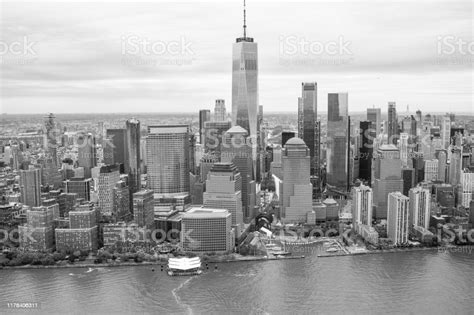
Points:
[[80, 62]]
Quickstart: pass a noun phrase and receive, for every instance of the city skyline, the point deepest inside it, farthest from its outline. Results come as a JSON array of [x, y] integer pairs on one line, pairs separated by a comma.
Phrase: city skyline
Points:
[[88, 69]]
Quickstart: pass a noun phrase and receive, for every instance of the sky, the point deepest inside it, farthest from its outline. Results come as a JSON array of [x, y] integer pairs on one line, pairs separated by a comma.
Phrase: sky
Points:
[[143, 56]]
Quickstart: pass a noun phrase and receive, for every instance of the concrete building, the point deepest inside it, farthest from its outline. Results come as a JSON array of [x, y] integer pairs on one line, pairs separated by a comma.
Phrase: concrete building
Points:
[[374, 115], [207, 230], [80, 186], [431, 170], [361, 206], [87, 153], [30, 187], [143, 208], [121, 200], [204, 115], [296, 193], [38, 232], [398, 218], [392, 124], [108, 178], [420, 207], [220, 111], [82, 233], [466, 188]]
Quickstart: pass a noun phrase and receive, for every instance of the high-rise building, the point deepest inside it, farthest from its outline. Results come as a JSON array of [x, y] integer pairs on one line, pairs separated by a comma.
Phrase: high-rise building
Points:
[[133, 166], [87, 154], [442, 157], [235, 149], [287, 135], [398, 218], [108, 177], [30, 187], [205, 165], [121, 199], [245, 87], [168, 159], [431, 170], [366, 150], [115, 148], [82, 233], [214, 132], [223, 190], [387, 177], [374, 115], [207, 230], [392, 124], [219, 111], [337, 151], [80, 186], [38, 232], [420, 206], [446, 131], [51, 139], [455, 166], [361, 206], [466, 189], [204, 115], [143, 208], [307, 119], [404, 148], [408, 177], [296, 192]]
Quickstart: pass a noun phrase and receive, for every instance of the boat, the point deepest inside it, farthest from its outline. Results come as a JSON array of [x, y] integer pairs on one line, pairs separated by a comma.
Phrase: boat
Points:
[[184, 266], [332, 250]]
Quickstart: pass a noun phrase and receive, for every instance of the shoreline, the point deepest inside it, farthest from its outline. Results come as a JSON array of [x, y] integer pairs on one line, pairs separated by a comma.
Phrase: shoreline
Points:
[[388, 251]]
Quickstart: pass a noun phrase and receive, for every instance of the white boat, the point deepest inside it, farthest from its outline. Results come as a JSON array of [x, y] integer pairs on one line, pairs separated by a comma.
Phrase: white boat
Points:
[[184, 266]]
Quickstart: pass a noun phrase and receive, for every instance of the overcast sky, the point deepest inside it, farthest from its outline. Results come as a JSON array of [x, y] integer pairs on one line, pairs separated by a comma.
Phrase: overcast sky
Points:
[[83, 58]]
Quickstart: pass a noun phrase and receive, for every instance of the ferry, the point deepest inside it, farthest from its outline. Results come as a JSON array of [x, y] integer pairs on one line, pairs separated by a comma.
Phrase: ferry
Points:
[[332, 250], [184, 266]]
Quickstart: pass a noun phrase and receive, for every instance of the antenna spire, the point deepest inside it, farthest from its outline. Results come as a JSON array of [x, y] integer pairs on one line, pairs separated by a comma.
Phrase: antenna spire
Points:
[[245, 22]]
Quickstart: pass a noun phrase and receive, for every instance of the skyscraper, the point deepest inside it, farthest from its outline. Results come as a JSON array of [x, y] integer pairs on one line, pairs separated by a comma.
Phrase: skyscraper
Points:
[[307, 119], [337, 154], [79, 186], [223, 190], [115, 148], [374, 115], [30, 187], [86, 154], [133, 155], [204, 115], [214, 132], [296, 193], [245, 86], [168, 159], [108, 176], [455, 166], [398, 218], [220, 111], [446, 131], [236, 149], [366, 151], [51, 139], [392, 123], [361, 206], [420, 206], [143, 208]]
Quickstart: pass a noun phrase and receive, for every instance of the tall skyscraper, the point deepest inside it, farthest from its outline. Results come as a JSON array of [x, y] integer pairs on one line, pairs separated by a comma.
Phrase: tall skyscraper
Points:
[[361, 206], [108, 176], [214, 132], [398, 218], [30, 187], [307, 119], [367, 134], [337, 153], [431, 170], [143, 208], [404, 148], [168, 159], [121, 200], [466, 188], [132, 167], [374, 115], [296, 193], [220, 111], [245, 87], [420, 206], [455, 166], [223, 190], [392, 123], [86, 154], [235, 149], [446, 131], [115, 148], [204, 115], [387, 177], [51, 139], [79, 186]]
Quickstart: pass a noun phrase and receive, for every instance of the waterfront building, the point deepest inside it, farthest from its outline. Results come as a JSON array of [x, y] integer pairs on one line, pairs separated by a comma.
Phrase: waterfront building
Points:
[[398, 218], [223, 190], [121, 199], [82, 233], [296, 192], [143, 208], [38, 232], [420, 207], [207, 230], [361, 206], [122, 232]]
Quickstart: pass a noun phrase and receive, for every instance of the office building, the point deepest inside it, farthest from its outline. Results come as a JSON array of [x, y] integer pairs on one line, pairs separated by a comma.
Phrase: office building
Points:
[[121, 199], [296, 194], [205, 230], [392, 123], [133, 161], [115, 148], [223, 190], [337, 144], [361, 206], [204, 115], [366, 150], [287, 135], [374, 115], [446, 131], [30, 187], [455, 166], [86, 154], [143, 212], [82, 233], [214, 133], [168, 159], [420, 207], [398, 218], [220, 111], [307, 118], [108, 176], [466, 188], [80, 186], [38, 232], [431, 170]]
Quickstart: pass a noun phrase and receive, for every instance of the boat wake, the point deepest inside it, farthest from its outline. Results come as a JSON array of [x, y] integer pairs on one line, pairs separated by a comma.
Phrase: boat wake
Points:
[[178, 299]]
